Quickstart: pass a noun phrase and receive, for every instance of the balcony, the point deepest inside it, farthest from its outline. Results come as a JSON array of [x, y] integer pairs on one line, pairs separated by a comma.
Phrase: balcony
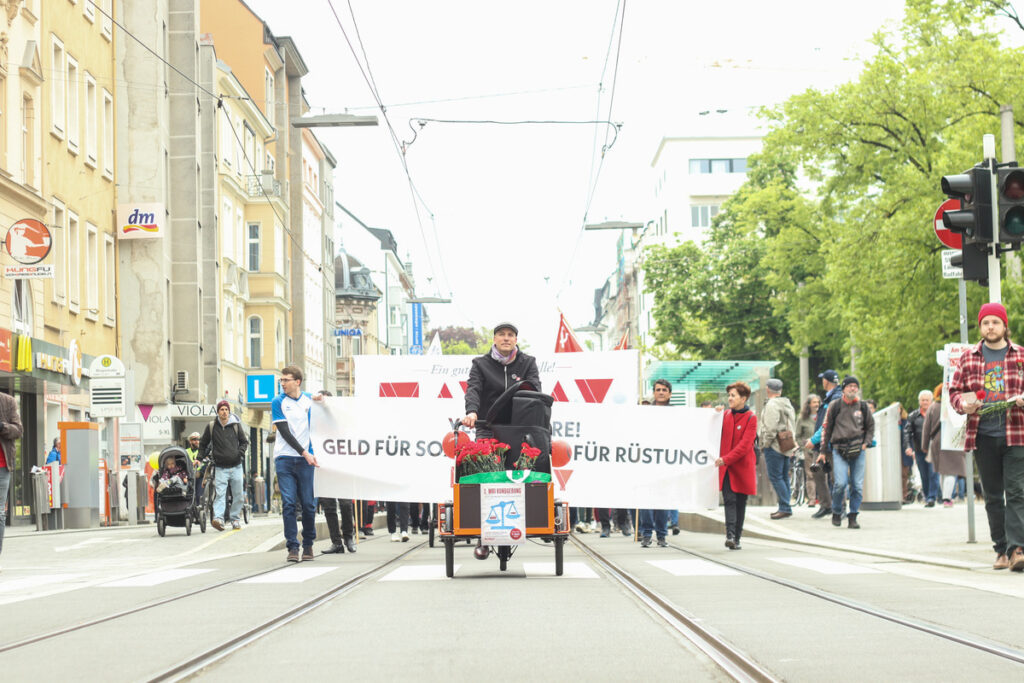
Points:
[[264, 184]]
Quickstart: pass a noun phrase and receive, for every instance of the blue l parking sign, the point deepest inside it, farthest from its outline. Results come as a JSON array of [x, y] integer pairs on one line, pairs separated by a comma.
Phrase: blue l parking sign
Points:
[[260, 388]]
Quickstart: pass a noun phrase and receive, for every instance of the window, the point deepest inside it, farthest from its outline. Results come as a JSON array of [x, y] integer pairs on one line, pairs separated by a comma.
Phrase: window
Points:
[[700, 216], [58, 85], [229, 333], [270, 162], [92, 289], [227, 221], [21, 308], [226, 139], [73, 122], [59, 231], [337, 347], [3, 122], [718, 165], [254, 246], [106, 25], [279, 344], [89, 11], [74, 256], [28, 152], [357, 345], [90, 120], [268, 93], [108, 135], [240, 348], [239, 255], [255, 341], [279, 249], [396, 316], [110, 273]]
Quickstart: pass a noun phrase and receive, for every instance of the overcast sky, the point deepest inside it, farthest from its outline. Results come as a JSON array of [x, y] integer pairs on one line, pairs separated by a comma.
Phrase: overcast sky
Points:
[[508, 202]]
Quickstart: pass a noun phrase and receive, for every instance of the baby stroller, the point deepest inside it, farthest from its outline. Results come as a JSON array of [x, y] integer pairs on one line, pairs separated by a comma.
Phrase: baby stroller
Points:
[[519, 416], [175, 506]]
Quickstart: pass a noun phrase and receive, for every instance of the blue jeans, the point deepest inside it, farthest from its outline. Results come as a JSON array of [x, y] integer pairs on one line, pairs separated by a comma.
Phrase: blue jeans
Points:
[[778, 473], [673, 517], [5, 483], [847, 474], [222, 478], [654, 522], [295, 479], [929, 477]]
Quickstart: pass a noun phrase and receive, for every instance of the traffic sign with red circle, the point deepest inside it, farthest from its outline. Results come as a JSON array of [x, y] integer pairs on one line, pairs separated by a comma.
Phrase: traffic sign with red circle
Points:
[[953, 240]]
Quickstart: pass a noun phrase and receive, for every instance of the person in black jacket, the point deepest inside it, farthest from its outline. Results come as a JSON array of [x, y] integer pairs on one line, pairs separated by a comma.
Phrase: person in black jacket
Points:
[[226, 439], [492, 373], [917, 448]]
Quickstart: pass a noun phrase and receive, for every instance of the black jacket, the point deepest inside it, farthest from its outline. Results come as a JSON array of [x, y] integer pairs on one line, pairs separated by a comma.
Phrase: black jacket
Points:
[[912, 431], [228, 442], [488, 379]]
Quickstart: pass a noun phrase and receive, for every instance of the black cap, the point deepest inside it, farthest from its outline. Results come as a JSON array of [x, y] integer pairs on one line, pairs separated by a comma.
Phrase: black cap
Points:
[[850, 379], [830, 375], [508, 326]]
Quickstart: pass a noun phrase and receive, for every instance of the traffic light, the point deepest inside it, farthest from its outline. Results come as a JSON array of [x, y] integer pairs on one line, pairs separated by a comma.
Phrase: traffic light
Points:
[[973, 188], [1010, 184], [973, 259]]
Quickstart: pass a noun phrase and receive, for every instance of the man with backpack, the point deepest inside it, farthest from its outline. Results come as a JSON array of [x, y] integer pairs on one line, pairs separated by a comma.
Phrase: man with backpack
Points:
[[776, 434], [849, 429], [225, 438]]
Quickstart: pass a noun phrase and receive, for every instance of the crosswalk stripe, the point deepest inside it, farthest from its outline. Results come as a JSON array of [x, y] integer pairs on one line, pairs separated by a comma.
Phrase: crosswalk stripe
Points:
[[290, 575], [825, 566], [8, 586], [418, 572], [570, 570], [695, 567], [154, 578]]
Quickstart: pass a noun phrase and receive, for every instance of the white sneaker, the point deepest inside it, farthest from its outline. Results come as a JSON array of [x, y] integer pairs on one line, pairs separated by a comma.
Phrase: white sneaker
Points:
[[236, 524], [405, 536], [395, 538]]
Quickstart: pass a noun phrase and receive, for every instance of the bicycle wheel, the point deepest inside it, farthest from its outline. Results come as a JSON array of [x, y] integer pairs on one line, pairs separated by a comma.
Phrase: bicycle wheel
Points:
[[798, 484]]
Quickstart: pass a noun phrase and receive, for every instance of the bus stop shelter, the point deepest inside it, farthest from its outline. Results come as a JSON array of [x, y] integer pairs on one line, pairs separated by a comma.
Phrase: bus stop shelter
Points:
[[690, 376]]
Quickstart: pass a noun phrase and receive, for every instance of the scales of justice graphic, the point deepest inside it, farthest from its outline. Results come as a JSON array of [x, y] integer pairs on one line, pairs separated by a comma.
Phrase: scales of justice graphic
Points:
[[498, 514]]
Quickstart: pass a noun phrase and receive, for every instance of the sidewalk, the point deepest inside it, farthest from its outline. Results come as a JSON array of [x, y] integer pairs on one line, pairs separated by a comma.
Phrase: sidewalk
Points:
[[935, 535]]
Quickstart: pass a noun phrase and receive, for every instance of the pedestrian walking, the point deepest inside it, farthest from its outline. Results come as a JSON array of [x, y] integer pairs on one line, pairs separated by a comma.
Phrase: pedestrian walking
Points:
[[10, 430], [294, 462], [776, 430], [949, 464], [915, 446], [655, 522], [341, 536], [849, 430], [226, 440], [992, 374], [804, 432], [737, 463]]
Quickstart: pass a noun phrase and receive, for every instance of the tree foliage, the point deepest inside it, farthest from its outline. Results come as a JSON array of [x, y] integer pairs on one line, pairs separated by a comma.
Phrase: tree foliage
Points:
[[851, 263], [462, 340]]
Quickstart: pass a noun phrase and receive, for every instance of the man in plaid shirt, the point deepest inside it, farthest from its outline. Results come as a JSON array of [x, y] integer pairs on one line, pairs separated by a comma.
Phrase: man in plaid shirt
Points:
[[993, 372]]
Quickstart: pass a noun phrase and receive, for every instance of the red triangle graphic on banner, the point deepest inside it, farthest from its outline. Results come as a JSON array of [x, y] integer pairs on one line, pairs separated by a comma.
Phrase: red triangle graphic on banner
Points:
[[559, 393], [563, 477], [465, 386], [400, 389], [445, 392], [594, 390], [145, 409]]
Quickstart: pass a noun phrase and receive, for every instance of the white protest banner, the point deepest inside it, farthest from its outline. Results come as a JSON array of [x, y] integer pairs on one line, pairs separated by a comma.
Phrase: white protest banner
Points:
[[502, 514], [638, 456], [951, 422], [587, 377], [625, 456], [381, 449]]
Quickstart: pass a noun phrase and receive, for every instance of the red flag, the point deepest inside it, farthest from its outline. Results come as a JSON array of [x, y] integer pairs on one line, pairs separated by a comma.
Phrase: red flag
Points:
[[623, 343], [566, 340]]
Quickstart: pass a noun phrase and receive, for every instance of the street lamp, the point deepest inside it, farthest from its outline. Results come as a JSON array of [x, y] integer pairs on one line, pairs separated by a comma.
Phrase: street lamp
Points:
[[613, 225], [333, 121], [429, 300]]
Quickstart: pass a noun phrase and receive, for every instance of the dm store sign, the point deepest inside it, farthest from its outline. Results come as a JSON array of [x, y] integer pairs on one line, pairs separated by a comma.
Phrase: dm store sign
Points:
[[140, 221]]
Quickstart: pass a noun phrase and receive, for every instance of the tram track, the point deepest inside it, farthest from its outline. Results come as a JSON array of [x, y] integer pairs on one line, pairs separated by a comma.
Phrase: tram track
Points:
[[225, 648], [732, 660], [153, 604]]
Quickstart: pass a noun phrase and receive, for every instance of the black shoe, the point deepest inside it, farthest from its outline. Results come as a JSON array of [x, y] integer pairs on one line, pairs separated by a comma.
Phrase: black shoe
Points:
[[852, 523], [837, 520], [675, 531], [779, 514], [730, 543], [930, 504], [645, 542], [662, 542], [336, 548], [628, 531], [605, 533], [822, 511], [368, 531], [350, 544]]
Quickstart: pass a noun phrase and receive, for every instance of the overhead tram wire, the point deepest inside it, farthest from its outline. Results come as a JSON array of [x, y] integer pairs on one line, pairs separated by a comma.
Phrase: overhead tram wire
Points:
[[467, 98], [595, 176], [394, 139]]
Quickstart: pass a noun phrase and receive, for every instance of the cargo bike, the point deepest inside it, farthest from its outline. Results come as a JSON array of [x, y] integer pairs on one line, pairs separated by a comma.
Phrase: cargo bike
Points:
[[518, 416]]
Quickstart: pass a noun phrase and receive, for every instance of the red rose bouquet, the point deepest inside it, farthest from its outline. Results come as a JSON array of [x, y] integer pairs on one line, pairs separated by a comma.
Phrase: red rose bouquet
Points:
[[528, 457], [485, 455]]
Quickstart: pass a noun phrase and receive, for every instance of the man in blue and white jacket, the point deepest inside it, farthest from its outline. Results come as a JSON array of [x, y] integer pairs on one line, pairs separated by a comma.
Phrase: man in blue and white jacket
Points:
[[294, 462]]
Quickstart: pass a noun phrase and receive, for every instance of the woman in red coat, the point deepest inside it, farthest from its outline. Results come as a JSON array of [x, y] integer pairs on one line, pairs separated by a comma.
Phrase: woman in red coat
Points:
[[737, 474]]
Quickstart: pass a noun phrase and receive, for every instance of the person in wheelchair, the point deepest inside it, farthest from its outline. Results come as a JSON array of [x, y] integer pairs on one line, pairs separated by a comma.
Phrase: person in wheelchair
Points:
[[492, 373]]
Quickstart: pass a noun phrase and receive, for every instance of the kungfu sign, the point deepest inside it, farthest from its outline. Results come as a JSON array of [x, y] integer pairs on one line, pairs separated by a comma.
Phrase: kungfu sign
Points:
[[28, 243]]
